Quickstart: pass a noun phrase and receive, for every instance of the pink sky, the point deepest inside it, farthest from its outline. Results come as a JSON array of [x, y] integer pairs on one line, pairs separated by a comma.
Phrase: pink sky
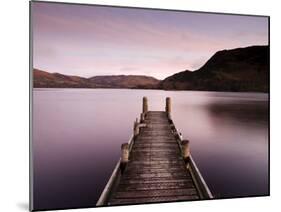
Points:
[[90, 40]]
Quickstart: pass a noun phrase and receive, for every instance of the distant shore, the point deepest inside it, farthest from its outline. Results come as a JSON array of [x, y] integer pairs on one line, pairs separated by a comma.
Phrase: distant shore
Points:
[[151, 89], [235, 70]]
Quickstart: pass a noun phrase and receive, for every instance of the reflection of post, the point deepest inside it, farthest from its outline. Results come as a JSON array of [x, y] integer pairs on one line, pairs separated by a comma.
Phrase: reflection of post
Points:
[[144, 105], [168, 107], [185, 150], [124, 156]]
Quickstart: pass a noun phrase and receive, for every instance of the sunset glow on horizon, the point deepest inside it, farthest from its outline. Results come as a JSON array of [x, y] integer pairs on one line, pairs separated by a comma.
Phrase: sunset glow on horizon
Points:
[[88, 40]]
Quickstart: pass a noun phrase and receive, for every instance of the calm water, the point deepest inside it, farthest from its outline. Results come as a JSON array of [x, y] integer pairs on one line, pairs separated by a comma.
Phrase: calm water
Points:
[[77, 135]]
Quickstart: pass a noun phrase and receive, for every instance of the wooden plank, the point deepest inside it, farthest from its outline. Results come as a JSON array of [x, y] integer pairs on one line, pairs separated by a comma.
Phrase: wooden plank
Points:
[[154, 157], [164, 161], [157, 185], [151, 181], [158, 142], [156, 150], [152, 200], [153, 169], [132, 175], [156, 193], [154, 165], [155, 145], [136, 179]]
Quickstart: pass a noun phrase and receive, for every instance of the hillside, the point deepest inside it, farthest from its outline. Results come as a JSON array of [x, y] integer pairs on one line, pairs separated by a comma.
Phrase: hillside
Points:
[[122, 81], [43, 79], [242, 69]]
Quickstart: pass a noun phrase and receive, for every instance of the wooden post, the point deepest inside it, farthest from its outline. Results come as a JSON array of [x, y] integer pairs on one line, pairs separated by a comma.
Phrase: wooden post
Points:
[[173, 128], [142, 117], [185, 150], [124, 156], [125, 153], [168, 107], [144, 105], [136, 128], [180, 135]]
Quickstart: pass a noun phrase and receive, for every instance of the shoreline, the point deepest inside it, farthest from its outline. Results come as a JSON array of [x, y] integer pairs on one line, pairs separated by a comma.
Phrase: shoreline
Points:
[[261, 92]]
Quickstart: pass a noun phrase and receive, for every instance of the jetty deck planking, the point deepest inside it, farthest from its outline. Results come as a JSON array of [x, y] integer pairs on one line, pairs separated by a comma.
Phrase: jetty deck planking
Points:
[[154, 165]]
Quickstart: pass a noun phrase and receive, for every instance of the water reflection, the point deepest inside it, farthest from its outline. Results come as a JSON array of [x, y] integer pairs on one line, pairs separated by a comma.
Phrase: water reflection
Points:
[[249, 112]]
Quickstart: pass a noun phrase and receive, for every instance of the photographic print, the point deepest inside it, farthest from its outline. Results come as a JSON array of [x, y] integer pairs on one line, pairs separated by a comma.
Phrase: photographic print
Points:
[[138, 105]]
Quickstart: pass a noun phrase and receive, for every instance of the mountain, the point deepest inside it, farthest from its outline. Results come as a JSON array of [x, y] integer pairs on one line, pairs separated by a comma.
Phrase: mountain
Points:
[[241, 69], [123, 81], [43, 79]]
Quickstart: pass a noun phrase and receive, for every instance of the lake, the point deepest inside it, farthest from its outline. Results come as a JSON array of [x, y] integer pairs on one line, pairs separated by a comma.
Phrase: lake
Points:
[[77, 134]]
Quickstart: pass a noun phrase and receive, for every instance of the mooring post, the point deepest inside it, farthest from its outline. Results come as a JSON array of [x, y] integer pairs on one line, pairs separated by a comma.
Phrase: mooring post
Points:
[[144, 105], [142, 118], [124, 156], [136, 128], [185, 150], [168, 107]]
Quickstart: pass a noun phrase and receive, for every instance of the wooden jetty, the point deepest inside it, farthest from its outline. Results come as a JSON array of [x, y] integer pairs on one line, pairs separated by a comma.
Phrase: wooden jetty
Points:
[[155, 165]]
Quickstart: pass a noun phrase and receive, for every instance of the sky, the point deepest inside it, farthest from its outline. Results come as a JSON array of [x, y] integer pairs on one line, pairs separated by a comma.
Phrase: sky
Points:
[[88, 40]]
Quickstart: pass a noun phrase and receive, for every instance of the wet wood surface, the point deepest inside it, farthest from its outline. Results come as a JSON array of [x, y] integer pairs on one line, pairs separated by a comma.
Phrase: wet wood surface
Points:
[[156, 171]]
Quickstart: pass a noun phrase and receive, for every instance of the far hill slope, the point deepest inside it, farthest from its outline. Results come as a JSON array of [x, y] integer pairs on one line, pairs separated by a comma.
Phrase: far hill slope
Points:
[[242, 69], [43, 79], [123, 81]]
